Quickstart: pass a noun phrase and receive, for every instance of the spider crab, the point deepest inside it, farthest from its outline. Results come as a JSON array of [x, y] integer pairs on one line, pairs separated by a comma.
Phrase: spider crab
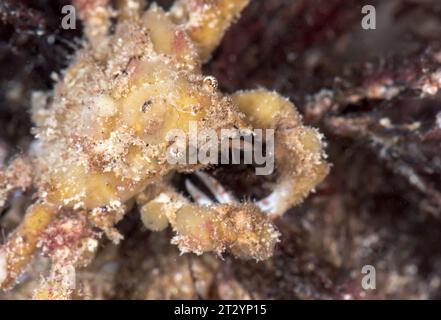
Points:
[[101, 143]]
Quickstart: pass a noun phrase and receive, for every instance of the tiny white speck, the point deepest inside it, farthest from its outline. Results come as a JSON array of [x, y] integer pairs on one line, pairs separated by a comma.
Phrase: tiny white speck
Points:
[[385, 122]]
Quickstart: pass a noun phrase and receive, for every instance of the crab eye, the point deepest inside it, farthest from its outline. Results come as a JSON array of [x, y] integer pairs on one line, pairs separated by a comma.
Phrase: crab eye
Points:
[[146, 105]]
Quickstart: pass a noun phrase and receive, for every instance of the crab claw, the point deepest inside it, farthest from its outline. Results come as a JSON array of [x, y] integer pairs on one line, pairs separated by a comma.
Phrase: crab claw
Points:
[[206, 226], [266, 205]]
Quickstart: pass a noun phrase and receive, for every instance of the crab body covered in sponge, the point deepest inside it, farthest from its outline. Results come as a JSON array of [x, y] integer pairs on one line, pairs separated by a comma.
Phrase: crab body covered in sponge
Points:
[[101, 143]]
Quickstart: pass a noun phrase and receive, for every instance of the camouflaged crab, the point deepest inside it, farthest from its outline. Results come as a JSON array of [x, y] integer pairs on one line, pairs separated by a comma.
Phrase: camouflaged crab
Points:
[[101, 143]]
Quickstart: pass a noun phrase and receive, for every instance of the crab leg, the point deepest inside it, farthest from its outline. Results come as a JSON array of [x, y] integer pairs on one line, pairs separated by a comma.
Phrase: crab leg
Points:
[[70, 242], [18, 251], [96, 16], [198, 196], [239, 228], [299, 151], [213, 185], [206, 20], [216, 188], [169, 38], [267, 205]]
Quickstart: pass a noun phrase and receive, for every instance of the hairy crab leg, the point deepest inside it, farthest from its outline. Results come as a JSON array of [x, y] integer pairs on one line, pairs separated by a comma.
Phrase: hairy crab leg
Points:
[[20, 246], [95, 15], [239, 228], [299, 150], [206, 21], [70, 242], [198, 196], [267, 205], [222, 195]]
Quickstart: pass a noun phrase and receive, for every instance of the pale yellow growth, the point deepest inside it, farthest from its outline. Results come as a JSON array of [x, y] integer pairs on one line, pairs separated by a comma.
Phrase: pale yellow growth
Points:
[[237, 228], [170, 39], [153, 216], [299, 150], [21, 244], [265, 109], [241, 229], [198, 226], [207, 20]]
